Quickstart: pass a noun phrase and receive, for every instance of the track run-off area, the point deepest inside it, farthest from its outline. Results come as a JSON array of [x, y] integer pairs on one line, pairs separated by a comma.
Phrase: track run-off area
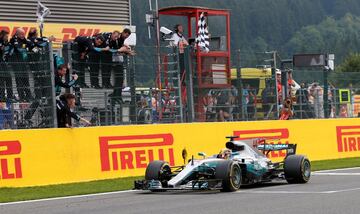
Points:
[[329, 191]]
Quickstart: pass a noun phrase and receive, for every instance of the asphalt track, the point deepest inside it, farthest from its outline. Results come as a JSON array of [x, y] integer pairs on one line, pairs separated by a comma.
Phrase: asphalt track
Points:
[[334, 191]]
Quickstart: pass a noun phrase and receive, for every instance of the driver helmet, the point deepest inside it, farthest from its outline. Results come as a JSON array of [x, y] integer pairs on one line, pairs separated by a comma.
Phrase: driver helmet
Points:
[[224, 153]]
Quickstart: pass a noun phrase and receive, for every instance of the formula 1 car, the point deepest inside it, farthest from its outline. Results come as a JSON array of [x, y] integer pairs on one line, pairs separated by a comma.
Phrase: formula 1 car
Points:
[[241, 163]]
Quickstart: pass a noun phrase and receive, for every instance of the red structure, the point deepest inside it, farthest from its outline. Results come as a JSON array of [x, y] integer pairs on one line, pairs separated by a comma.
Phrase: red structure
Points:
[[212, 68]]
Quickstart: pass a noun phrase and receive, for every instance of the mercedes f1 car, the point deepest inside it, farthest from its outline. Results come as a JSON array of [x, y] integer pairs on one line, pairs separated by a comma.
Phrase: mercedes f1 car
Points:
[[241, 163]]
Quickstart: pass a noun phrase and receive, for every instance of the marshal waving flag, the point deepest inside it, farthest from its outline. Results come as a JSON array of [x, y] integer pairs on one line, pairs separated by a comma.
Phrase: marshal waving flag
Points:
[[202, 39]]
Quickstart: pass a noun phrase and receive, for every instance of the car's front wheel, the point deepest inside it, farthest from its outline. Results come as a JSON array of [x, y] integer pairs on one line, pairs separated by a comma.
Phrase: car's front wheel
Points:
[[160, 171], [230, 173]]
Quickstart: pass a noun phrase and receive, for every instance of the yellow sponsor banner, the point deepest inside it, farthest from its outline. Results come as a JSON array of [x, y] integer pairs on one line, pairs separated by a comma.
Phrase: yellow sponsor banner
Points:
[[61, 31], [53, 156]]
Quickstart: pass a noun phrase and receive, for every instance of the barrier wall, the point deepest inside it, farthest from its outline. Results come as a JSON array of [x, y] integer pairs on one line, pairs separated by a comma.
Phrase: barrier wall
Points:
[[62, 31], [52, 156]]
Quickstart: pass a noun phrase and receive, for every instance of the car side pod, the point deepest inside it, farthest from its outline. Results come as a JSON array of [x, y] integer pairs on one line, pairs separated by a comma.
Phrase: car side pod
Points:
[[230, 173], [297, 169]]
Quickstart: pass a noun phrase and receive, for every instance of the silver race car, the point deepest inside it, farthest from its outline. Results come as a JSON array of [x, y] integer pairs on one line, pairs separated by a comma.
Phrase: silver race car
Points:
[[240, 163]]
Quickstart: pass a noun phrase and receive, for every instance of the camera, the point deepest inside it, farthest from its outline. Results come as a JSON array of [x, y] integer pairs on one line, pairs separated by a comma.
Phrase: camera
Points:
[[166, 31]]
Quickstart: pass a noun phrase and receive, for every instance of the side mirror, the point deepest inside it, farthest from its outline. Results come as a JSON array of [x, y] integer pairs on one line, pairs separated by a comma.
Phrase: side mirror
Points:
[[184, 154], [202, 154]]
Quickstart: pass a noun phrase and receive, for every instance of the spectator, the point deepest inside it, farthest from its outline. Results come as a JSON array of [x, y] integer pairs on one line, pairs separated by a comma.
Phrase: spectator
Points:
[[5, 77], [117, 63], [250, 101], [179, 41], [86, 45], [303, 102], [293, 86], [287, 110], [5, 116], [155, 105], [267, 97], [59, 83], [223, 105], [317, 92], [209, 102], [18, 58], [42, 80], [111, 41], [279, 86], [245, 101], [64, 105]]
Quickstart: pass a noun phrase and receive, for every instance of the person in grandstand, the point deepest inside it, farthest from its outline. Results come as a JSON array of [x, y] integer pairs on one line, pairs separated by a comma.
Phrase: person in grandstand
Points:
[[111, 41], [5, 77], [223, 105], [64, 104], [59, 82], [18, 58], [85, 45], [116, 63], [38, 52]]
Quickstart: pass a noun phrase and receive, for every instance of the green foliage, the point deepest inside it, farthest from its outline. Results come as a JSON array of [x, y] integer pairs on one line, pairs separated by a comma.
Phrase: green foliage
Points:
[[330, 36], [351, 63], [288, 26]]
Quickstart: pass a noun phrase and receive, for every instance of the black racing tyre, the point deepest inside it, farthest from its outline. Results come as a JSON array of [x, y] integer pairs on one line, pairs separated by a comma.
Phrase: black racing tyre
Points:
[[297, 169], [158, 170], [230, 174]]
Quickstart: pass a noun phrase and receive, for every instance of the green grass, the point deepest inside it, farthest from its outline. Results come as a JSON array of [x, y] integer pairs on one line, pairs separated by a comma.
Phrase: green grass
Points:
[[335, 164], [38, 192], [29, 193]]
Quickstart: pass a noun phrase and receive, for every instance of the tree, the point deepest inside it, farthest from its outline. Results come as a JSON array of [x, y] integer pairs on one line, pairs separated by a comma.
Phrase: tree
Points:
[[351, 63]]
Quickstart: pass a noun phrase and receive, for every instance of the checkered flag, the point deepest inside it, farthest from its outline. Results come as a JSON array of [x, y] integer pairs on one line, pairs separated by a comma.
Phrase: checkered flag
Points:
[[202, 39], [42, 11]]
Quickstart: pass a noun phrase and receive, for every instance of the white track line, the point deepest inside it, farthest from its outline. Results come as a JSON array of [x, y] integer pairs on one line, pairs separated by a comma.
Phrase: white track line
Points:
[[335, 170], [126, 191], [282, 192], [335, 173], [298, 192], [67, 197]]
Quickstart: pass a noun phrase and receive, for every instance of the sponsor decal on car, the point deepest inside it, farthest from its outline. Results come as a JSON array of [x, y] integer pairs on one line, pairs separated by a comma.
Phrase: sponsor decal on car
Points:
[[10, 161], [272, 136], [135, 151], [348, 138]]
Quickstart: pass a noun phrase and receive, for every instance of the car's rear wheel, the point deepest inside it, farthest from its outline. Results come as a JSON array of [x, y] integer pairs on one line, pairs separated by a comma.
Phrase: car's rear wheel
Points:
[[297, 169], [230, 173], [160, 171]]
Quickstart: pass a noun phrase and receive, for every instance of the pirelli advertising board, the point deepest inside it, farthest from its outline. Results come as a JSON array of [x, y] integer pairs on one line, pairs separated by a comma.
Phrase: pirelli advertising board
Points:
[[61, 31], [53, 156]]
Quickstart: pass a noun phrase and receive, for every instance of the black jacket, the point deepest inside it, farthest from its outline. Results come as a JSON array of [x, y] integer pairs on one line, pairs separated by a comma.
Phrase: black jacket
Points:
[[112, 44], [19, 45], [37, 42], [59, 83], [64, 114], [3, 46], [85, 44]]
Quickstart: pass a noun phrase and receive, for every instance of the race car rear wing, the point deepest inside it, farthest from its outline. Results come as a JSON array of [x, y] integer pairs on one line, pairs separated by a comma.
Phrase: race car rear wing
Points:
[[290, 148]]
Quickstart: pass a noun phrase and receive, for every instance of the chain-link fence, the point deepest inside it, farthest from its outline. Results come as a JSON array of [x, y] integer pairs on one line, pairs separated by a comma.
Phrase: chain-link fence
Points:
[[114, 89], [159, 85], [26, 88]]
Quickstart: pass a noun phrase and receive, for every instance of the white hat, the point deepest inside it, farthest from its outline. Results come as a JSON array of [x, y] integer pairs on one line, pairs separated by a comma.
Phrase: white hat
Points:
[[277, 71]]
